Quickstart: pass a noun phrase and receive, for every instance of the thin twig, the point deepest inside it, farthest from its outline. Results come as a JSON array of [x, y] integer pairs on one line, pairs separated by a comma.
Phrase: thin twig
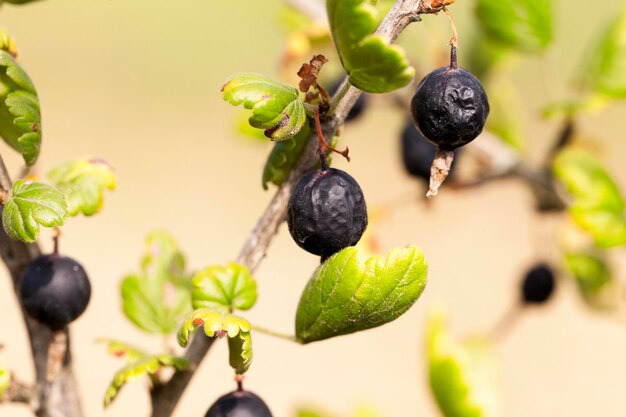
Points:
[[18, 392]]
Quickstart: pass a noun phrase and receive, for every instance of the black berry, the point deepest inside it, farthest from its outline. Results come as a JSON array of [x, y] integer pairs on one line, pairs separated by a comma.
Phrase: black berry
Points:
[[239, 404], [418, 153], [327, 212], [55, 290], [359, 105], [450, 107], [538, 284]]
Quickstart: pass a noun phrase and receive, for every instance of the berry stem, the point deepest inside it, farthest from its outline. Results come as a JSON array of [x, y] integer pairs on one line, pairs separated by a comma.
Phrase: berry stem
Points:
[[454, 40], [55, 240], [239, 380], [274, 333], [324, 147], [439, 171], [506, 323]]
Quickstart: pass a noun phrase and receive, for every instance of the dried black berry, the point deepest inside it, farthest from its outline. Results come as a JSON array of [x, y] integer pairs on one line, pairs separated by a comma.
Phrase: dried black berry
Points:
[[538, 284], [327, 212], [239, 404], [418, 153], [359, 105], [55, 290], [450, 107]]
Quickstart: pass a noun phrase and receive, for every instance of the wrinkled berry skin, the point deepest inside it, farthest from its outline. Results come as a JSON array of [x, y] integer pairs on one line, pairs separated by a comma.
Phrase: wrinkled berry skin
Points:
[[538, 284], [450, 107], [359, 105], [55, 290], [239, 404], [327, 212]]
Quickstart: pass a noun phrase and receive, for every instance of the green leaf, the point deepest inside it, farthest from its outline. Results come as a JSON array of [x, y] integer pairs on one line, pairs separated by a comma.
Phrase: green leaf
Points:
[[461, 374], [372, 64], [506, 107], [526, 25], [32, 204], [605, 69], [83, 182], [218, 325], [145, 366], [119, 349], [160, 294], [20, 116], [19, 1], [275, 106], [283, 157], [594, 280], [349, 293], [224, 288], [5, 381], [598, 206]]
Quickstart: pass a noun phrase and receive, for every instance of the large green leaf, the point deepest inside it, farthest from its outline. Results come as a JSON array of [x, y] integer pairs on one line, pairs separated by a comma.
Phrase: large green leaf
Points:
[[284, 156], [144, 366], [598, 206], [83, 183], [349, 293], [218, 325], [605, 70], [372, 64], [160, 294], [5, 381], [526, 25], [462, 375], [31, 205], [20, 117], [594, 279], [224, 288], [276, 107]]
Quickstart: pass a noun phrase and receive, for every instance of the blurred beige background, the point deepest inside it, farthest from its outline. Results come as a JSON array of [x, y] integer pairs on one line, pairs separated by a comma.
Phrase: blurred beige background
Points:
[[137, 83]]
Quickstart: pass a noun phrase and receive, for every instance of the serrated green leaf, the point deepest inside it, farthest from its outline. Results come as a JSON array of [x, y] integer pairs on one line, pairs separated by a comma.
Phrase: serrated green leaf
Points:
[[526, 25], [5, 381], [461, 374], [224, 288], [594, 280], [605, 69], [598, 206], [283, 157], [372, 64], [216, 324], [276, 107], [31, 205], [83, 182], [119, 349], [156, 298], [349, 293], [144, 366], [20, 116], [506, 107]]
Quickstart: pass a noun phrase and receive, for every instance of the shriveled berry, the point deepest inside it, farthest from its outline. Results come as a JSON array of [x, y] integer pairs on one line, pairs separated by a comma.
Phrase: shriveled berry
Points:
[[418, 153], [239, 404], [359, 105], [450, 107], [327, 212], [55, 290], [538, 284]]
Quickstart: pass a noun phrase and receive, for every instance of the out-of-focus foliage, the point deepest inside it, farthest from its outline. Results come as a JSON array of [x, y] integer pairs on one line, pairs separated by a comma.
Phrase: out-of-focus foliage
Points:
[[594, 279]]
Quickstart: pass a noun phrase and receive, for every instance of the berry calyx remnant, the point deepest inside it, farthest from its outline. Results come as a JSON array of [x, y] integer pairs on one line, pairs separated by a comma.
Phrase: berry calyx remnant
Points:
[[326, 212], [239, 403], [450, 108], [55, 290], [538, 284]]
